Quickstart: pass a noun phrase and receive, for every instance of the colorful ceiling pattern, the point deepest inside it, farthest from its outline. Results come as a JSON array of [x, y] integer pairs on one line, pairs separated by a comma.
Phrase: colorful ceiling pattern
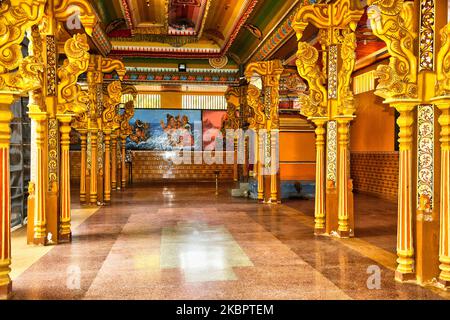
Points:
[[174, 28], [222, 34]]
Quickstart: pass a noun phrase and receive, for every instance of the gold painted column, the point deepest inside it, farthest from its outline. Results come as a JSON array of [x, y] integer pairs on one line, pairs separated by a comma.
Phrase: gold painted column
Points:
[[114, 161], [274, 166], [259, 164], [107, 175], [344, 228], [93, 174], [405, 245], [15, 18], [39, 206], [444, 240], [83, 138], [65, 233], [235, 162], [124, 167], [319, 211], [6, 100]]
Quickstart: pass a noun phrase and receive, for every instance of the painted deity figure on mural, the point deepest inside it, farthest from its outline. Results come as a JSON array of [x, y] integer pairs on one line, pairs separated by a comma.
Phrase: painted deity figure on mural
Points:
[[178, 130], [140, 130]]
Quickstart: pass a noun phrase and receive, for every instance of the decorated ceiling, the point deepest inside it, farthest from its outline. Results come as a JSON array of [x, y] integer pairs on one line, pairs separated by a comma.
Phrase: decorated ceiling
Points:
[[173, 28], [214, 38]]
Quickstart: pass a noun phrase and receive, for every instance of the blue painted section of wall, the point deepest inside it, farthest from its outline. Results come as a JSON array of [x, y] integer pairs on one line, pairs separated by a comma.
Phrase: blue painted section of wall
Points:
[[290, 189]]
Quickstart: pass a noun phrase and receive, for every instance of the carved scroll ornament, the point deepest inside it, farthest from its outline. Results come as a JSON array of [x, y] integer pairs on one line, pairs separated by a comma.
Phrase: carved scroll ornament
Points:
[[392, 22], [71, 99]]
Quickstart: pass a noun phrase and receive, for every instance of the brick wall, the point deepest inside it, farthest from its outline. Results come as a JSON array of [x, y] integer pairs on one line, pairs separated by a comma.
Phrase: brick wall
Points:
[[153, 166], [375, 173], [150, 166]]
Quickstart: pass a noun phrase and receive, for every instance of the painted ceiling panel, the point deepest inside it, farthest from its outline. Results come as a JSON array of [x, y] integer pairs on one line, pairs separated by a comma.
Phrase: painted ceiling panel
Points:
[[197, 30]]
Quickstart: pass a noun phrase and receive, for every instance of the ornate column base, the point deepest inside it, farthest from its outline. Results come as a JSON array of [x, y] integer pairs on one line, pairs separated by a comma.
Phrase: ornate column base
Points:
[[444, 277], [5, 280]]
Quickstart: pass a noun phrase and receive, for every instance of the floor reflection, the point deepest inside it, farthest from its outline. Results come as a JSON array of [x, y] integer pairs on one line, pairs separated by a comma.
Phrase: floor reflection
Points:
[[203, 252]]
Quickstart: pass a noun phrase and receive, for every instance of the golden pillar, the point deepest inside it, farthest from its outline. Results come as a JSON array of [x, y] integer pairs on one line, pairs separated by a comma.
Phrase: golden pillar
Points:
[[114, 160], [235, 162], [6, 100], [344, 228], [266, 125], [16, 16], [65, 233], [71, 101], [94, 80], [107, 165], [330, 100], [319, 211], [39, 205], [259, 163], [444, 248], [275, 166], [233, 97], [37, 215], [44, 220], [405, 246], [125, 131], [124, 167], [398, 85], [83, 170], [93, 174], [98, 66], [109, 117], [443, 103]]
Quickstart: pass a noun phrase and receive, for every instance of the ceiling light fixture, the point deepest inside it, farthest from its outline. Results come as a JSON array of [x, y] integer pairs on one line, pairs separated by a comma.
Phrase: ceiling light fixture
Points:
[[148, 3]]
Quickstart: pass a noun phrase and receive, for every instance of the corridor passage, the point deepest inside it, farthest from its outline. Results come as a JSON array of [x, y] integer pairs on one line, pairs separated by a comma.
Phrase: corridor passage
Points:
[[179, 241]]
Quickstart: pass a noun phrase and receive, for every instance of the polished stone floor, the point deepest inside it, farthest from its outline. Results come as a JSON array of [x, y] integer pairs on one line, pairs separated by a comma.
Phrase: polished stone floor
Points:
[[180, 241]]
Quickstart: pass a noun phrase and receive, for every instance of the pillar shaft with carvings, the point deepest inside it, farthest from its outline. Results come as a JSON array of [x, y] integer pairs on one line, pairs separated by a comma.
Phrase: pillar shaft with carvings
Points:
[[39, 184], [107, 166], [330, 98], [444, 247], [5, 209], [344, 228], [405, 247], [72, 101], [111, 101], [265, 123], [319, 211], [15, 18], [125, 131], [123, 158], [398, 85], [114, 160], [65, 233], [442, 101], [93, 174], [83, 143]]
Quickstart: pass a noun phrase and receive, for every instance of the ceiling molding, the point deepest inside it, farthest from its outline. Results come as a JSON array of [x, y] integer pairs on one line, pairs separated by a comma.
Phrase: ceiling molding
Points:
[[239, 25], [277, 36], [189, 70]]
